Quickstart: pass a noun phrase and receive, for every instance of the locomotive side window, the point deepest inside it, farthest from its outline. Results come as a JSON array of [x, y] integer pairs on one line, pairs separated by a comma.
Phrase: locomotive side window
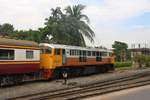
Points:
[[104, 53], [74, 52], [98, 56], [78, 52], [57, 51], [110, 54], [83, 55], [89, 53], [81, 52], [6, 54], [93, 53], [29, 55], [70, 52]]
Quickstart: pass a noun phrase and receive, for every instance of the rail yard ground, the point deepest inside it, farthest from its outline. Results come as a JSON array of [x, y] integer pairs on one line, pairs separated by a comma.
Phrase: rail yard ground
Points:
[[43, 86], [138, 93]]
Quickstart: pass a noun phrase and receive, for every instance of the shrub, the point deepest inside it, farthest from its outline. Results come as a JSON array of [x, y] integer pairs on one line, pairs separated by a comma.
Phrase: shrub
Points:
[[147, 61], [123, 64], [142, 60]]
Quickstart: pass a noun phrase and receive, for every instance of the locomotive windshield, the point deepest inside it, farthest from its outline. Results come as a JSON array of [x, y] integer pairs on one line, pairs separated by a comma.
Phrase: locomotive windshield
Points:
[[46, 50]]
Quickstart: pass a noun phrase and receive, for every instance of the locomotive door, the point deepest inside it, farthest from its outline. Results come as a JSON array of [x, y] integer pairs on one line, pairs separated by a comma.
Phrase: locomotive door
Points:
[[63, 56], [57, 59]]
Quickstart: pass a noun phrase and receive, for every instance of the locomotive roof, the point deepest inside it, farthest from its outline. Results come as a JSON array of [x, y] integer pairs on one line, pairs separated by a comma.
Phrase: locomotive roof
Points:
[[13, 42], [72, 47]]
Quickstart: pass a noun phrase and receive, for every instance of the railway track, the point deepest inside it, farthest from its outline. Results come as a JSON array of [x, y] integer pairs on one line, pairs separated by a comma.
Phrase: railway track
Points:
[[92, 89]]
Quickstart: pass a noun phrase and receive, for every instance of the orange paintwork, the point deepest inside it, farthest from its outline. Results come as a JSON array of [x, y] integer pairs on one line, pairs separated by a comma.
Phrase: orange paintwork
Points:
[[50, 61], [113, 60], [45, 61], [57, 60], [90, 61]]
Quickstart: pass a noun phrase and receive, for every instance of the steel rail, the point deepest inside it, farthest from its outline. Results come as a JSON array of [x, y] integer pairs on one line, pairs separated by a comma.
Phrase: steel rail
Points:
[[69, 93], [89, 91]]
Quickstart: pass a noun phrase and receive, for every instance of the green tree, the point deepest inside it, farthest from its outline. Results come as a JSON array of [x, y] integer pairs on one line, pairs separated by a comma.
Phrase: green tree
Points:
[[32, 35], [54, 27], [147, 61], [140, 60], [79, 23], [121, 51], [69, 27], [6, 29]]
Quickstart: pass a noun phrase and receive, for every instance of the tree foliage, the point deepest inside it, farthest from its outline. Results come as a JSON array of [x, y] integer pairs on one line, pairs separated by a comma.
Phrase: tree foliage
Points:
[[142, 60], [69, 27], [121, 51], [32, 35], [6, 29]]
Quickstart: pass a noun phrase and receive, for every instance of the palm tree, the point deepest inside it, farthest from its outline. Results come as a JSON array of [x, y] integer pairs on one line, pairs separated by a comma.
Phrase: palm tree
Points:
[[80, 22], [69, 27], [54, 27]]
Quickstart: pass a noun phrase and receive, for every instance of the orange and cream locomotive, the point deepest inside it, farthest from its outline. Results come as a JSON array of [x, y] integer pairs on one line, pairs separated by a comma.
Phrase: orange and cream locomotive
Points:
[[57, 59]]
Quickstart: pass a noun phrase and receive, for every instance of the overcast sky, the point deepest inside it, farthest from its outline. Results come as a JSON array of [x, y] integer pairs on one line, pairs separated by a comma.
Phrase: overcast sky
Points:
[[123, 20]]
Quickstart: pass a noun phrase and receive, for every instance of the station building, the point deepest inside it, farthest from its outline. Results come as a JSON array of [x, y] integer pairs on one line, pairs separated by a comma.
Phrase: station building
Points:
[[140, 51]]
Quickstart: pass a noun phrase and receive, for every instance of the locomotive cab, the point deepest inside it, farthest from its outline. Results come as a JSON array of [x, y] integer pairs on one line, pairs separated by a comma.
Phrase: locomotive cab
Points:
[[46, 57], [51, 57]]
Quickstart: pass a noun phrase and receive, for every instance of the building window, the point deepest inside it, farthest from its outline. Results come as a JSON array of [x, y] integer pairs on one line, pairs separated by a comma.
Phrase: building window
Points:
[[6, 54], [29, 55], [57, 51]]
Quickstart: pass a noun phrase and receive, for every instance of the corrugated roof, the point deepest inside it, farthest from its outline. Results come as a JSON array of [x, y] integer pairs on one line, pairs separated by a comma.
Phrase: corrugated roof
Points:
[[13, 42]]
